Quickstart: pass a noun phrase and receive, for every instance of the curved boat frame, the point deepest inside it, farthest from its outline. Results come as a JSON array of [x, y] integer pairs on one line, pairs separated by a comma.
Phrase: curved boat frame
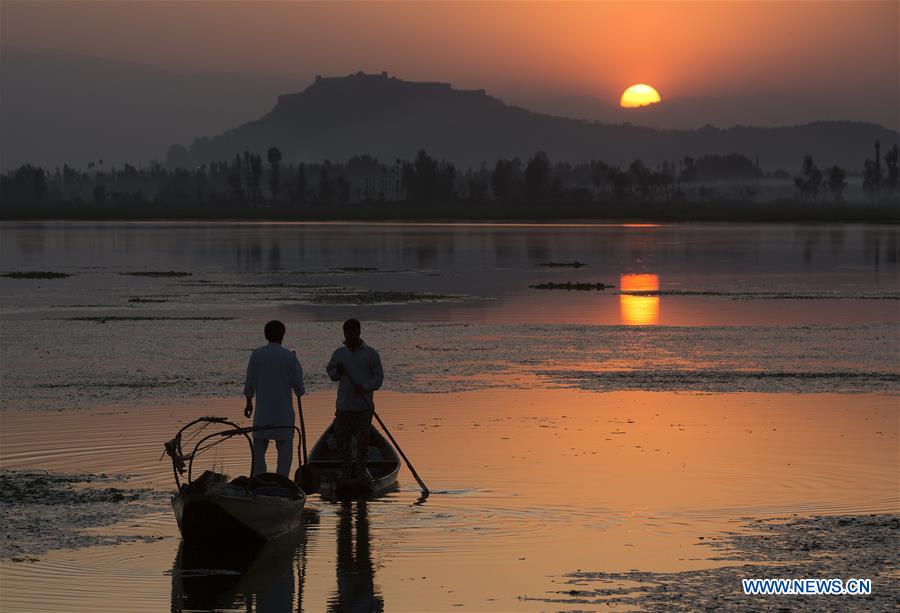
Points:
[[241, 513]]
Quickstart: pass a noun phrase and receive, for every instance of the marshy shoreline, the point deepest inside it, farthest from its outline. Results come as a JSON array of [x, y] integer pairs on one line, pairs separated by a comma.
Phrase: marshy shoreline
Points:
[[813, 547]]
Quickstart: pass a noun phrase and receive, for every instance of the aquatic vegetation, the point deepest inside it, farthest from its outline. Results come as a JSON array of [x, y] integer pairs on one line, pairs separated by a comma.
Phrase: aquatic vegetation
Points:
[[575, 264], [41, 510], [568, 286], [35, 274], [326, 294], [353, 296], [102, 319], [726, 380], [865, 546], [155, 274]]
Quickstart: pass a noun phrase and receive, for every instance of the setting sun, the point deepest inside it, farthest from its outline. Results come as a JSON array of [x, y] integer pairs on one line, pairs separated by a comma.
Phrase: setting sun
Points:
[[639, 95]]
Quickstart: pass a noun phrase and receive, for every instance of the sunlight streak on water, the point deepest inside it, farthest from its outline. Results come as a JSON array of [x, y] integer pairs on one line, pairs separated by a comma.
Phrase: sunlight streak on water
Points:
[[639, 310]]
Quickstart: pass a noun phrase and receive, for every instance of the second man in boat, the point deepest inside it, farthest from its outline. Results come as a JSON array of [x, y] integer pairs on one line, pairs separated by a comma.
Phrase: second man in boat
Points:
[[357, 369]]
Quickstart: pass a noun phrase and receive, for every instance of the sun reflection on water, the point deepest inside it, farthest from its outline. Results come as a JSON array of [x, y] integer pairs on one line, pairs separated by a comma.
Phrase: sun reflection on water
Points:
[[637, 310]]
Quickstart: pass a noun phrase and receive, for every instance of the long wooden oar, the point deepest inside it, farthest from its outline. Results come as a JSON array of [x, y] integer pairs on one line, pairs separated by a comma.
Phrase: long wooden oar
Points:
[[305, 474], [409, 465], [302, 430], [425, 490]]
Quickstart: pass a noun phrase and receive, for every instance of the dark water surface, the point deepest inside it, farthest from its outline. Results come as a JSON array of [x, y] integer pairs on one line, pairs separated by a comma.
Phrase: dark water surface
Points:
[[732, 373]]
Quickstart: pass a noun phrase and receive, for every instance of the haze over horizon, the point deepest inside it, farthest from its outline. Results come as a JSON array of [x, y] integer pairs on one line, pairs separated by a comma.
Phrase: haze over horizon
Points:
[[223, 64]]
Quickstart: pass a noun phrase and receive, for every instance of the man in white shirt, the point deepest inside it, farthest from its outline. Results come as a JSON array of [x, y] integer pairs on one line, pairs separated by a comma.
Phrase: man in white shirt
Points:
[[357, 368], [272, 373]]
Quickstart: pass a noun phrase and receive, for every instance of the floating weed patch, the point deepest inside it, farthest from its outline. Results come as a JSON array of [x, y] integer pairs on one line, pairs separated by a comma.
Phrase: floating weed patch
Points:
[[717, 380], [154, 273], [35, 274], [575, 264], [847, 546], [108, 318], [243, 287], [355, 269], [579, 287], [350, 296], [40, 511], [324, 294]]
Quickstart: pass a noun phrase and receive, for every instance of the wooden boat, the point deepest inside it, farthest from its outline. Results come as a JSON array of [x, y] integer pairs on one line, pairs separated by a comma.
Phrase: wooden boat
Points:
[[244, 513], [325, 466]]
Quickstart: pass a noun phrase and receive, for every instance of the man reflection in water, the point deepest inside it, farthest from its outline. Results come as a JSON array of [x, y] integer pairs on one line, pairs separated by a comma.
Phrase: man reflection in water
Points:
[[358, 369], [355, 573], [272, 373]]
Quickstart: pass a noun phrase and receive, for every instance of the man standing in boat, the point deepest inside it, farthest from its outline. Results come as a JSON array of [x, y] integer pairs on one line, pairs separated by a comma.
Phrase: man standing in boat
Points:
[[272, 374], [357, 368]]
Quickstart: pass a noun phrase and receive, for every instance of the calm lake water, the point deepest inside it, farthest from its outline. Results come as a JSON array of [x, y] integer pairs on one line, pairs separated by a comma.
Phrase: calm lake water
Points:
[[730, 373]]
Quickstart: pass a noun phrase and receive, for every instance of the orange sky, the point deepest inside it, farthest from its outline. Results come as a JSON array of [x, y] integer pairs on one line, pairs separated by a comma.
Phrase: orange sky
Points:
[[813, 50]]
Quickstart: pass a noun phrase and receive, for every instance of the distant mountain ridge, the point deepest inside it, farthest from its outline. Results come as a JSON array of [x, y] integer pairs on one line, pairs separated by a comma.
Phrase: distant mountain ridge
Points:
[[338, 117], [60, 107]]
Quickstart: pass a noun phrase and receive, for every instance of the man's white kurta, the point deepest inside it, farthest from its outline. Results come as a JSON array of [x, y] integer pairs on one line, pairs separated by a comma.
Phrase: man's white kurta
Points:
[[272, 374]]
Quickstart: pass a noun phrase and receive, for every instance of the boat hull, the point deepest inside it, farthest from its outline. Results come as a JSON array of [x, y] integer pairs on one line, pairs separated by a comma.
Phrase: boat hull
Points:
[[235, 521], [324, 461]]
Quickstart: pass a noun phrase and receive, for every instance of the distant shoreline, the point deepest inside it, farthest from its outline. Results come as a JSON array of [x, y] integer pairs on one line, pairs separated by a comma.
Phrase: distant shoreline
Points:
[[786, 211]]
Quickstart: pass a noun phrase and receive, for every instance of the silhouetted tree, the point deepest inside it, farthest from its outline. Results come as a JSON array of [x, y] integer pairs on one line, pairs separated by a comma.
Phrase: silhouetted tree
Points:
[[619, 181], [326, 191], [836, 183], [870, 179], [599, 171], [477, 189], [506, 180], [477, 183], [100, 194], [892, 164], [301, 183], [538, 178], [688, 170], [428, 180], [234, 179], [643, 179], [70, 176], [274, 157], [665, 178], [809, 180], [27, 184], [253, 162], [878, 162], [872, 174], [342, 189]]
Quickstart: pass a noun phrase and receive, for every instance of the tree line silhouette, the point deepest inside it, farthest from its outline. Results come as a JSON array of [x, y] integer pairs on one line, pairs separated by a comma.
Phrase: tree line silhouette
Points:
[[426, 179]]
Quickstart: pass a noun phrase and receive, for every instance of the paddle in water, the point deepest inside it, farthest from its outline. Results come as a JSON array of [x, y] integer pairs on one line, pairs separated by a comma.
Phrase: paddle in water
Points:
[[425, 490]]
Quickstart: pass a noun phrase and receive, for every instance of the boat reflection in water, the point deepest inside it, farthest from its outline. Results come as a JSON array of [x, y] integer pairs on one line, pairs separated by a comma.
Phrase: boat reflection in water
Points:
[[355, 572], [637, 309], [230, 580]]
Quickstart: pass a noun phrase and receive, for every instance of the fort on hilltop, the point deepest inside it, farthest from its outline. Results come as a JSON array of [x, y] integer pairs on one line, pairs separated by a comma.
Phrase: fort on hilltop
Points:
[[373, 84]]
